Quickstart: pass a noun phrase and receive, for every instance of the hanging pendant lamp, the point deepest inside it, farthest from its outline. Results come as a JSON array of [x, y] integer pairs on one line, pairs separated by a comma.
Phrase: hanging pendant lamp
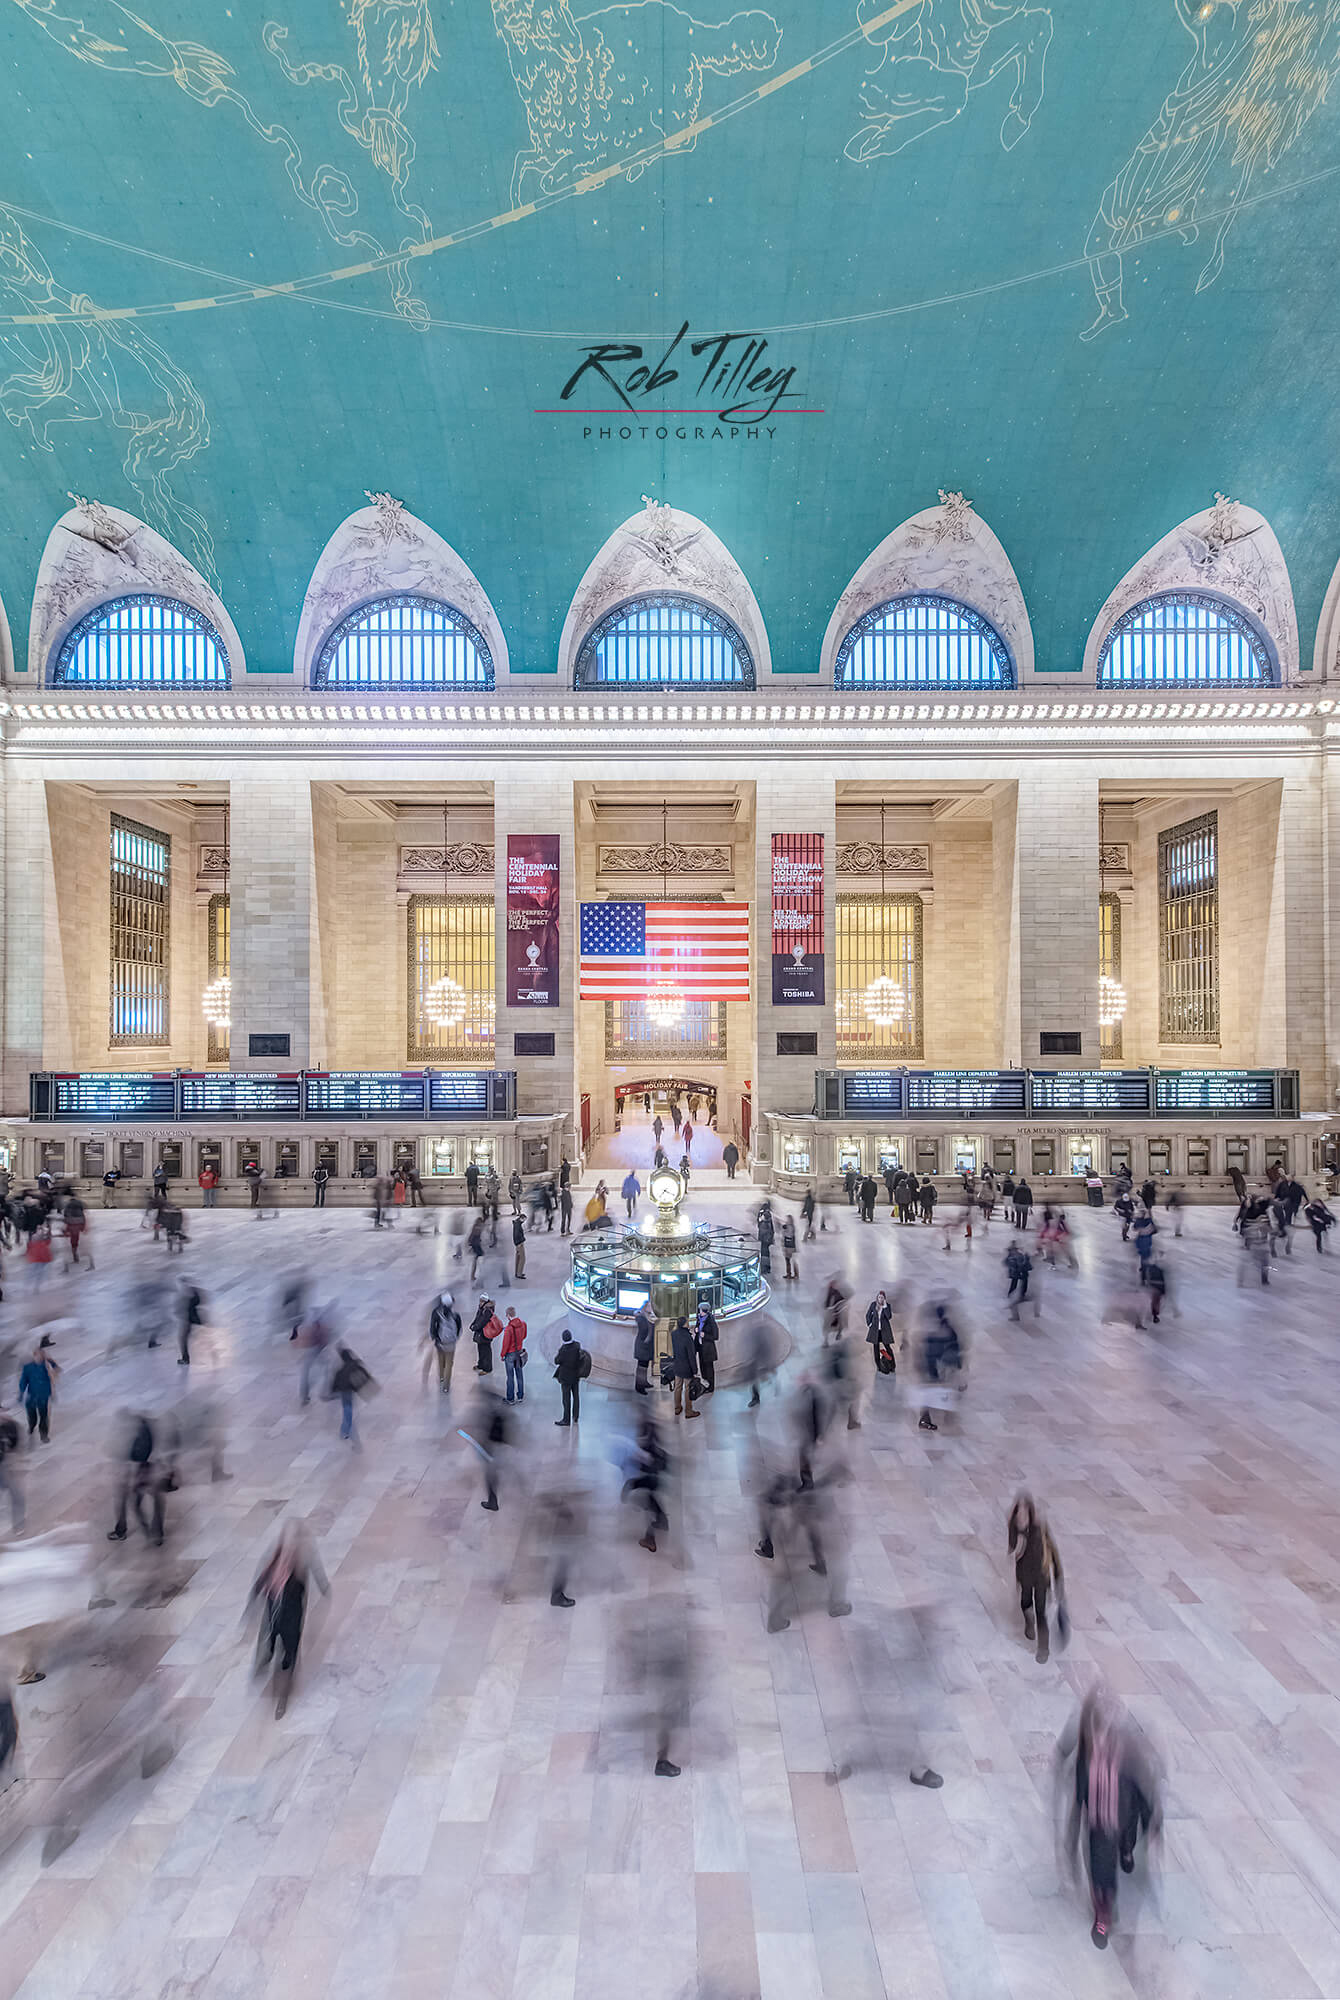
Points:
[[217, 998], [444, 1002], [665, 1002]]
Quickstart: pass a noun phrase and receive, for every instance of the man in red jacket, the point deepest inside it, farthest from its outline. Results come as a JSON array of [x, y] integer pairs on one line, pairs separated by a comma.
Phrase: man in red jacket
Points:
[[513, 1353]]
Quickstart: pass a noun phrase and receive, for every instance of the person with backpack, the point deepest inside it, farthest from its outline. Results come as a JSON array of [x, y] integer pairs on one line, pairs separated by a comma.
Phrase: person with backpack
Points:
[[350, 1379], [513, 1351], [572, 1364], [444, 1330], [485, 1327], [1037, 1570]]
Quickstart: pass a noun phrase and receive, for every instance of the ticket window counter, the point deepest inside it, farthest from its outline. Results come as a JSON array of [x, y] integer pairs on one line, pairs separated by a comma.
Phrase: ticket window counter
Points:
[[1160, 1157], [1044, 1158], [1238, 1154], [286, 1160], [1119, 1156], [928, 1157], [442, 1156], [796, 1154], [889, 1156], [404, 1155], [1197, 1158], [7, 1156], [248, 1155], [92, 1159], [848, 1157], [130, 1160], [964, 1153], [51, 1157], [209, 1153], [535, 1156], [1277, 1155], [1002, 1155], [481, 1154], [327, 1155], [170, 1158], [1081, 1153], [365, 1160]]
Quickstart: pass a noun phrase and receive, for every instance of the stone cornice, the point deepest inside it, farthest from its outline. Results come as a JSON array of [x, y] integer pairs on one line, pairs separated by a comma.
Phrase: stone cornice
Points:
[[1279, 721]]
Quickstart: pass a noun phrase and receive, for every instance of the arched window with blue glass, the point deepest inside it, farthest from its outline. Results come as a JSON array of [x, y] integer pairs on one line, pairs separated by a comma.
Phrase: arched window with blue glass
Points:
[[661, 641], [142, 642], [1187, 638], [404, 642], [920, 641]]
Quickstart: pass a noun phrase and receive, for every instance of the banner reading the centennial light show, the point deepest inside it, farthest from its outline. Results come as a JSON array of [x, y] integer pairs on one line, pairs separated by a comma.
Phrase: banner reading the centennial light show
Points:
[[797, 920], [532, 920]]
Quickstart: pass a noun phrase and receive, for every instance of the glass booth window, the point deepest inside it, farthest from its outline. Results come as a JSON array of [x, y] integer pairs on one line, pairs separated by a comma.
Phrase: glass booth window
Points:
[[442, 1156], [140, 642], [481, 1154], [1198, 1156], [140, 865], [848, 1155], [1118, 1155], [1277, 1154], [404, 642], [1186, 638], [451, 979], [889, 1154], [666, 640], [923, 641]]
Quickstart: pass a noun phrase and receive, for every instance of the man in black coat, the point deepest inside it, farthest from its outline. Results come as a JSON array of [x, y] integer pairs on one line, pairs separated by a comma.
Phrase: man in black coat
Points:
[[471, 1185], [684, 1349], [644, 1347], [568, 1375]]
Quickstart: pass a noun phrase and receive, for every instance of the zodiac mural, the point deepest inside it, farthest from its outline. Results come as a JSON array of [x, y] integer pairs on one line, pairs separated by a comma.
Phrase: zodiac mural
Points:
[[108, 36], [86, 370], [614, 81], [938, 52], [1260, 70]]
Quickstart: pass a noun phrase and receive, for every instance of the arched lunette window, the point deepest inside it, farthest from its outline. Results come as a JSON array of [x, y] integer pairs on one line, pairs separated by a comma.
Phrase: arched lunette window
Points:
[[1186, 638], [142, 641], [667, 640], [400, 642], [923, 641]]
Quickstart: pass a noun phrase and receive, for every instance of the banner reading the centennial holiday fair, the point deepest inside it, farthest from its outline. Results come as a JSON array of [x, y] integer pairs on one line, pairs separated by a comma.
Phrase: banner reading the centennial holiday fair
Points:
[[532, 920], [797, 920]]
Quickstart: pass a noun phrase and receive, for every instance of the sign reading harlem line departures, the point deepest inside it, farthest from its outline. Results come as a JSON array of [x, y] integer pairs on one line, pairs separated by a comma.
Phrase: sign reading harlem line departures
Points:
[[725, 387]]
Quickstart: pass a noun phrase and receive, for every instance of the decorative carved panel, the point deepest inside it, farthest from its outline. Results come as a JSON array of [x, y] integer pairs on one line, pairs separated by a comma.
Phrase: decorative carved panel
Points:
[[462, 857], [862, 857], [1114, 854], [668, 860]]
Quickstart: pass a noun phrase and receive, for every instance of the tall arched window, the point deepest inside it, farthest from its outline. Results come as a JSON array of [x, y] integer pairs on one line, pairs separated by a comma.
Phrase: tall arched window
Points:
[[923, 641], [142, 642], [664, 641], [1186, 638], [404, 642]]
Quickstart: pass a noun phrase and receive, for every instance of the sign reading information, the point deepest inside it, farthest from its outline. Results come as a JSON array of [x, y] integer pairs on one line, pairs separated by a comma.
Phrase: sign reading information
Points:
[[532, 920], [797, 920]]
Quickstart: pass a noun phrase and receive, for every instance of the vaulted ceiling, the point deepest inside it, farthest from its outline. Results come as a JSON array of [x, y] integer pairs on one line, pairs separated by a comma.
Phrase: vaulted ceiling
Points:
[[1078, 264]]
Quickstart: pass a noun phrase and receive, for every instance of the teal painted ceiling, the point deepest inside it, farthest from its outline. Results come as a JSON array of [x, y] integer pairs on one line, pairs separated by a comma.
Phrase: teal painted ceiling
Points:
[[1076, 262]]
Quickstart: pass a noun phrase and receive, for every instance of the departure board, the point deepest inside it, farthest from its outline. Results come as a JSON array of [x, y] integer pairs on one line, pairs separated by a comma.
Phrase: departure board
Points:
[[241, 1094], [1215, 1093], [459, 1093], [364, 1093], [96, 1096], [1091, 1090], [967, 1093], [869, 1092]]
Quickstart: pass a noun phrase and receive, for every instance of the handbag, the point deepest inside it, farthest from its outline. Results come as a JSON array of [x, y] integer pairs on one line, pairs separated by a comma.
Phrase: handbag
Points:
[[697, 1389]]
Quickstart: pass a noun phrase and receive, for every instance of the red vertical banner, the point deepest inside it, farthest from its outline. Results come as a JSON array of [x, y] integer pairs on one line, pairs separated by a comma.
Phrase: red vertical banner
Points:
[[797, 920], [532, 920]]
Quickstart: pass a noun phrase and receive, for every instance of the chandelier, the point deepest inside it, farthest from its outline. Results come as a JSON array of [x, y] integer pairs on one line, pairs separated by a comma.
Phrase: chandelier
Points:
[[444, 1003], [885, 999], [217, 1001], [1111, 1001], [665, 1003]]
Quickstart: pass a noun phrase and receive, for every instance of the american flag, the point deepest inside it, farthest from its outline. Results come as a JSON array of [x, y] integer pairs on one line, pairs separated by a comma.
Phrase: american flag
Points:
[[630, 949]]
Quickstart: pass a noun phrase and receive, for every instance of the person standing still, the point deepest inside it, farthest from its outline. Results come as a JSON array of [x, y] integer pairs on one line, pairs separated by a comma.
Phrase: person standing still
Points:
[[444, 1330], [471, 1185], [682, 1347], [789, 1246], [644, 1347], [319, 1181], [565, 1210], [519, 1248], [253, 1177], [513, 1351], [708, 1337], [568, 1373], [209, 1184]]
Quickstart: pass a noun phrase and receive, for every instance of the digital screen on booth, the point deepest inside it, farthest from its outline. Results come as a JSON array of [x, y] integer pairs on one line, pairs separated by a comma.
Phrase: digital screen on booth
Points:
[[114, 1094], [1090, 1090], [632, 1298], [871, 1090], [364, 1093], [1214, 1090], [254, 1093], [967, 1092], [459, 1093]]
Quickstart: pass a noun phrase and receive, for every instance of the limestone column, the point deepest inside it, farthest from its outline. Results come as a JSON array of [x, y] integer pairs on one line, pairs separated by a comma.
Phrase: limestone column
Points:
[[36, 1014], [801, 798], [531, 801], [282, 884], [1045, 829]]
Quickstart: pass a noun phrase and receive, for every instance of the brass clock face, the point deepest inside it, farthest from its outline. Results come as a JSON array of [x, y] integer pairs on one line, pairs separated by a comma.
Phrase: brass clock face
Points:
[[665, 1188]]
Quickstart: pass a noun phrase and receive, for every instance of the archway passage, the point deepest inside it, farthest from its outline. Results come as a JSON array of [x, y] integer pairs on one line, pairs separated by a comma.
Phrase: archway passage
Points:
[[639, 1101]]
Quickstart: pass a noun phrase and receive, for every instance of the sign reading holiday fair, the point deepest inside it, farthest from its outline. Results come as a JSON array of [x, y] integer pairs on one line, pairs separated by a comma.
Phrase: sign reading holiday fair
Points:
[[797, 920], [532, 920]]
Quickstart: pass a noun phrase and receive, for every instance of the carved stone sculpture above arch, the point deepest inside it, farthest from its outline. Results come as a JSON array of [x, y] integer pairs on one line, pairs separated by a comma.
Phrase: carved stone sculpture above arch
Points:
[[383, 551], [1228, 552], [1326, 646], [945, 551], [96, 553], [660, 550], [6, 646]]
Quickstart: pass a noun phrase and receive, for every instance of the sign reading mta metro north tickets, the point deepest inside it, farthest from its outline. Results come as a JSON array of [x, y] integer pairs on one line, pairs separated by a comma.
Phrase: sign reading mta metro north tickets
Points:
[[797, 920], [532, 920]]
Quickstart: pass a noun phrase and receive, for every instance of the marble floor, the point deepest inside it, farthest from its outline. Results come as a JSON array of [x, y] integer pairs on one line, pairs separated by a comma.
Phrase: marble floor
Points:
[[460, 1800]]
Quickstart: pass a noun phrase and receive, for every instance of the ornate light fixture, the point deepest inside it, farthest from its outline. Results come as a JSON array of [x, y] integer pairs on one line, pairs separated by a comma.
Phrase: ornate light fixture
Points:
[[217, 999], [665, 1004], [1111, 1001], [444, 1002], [885, 999]]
